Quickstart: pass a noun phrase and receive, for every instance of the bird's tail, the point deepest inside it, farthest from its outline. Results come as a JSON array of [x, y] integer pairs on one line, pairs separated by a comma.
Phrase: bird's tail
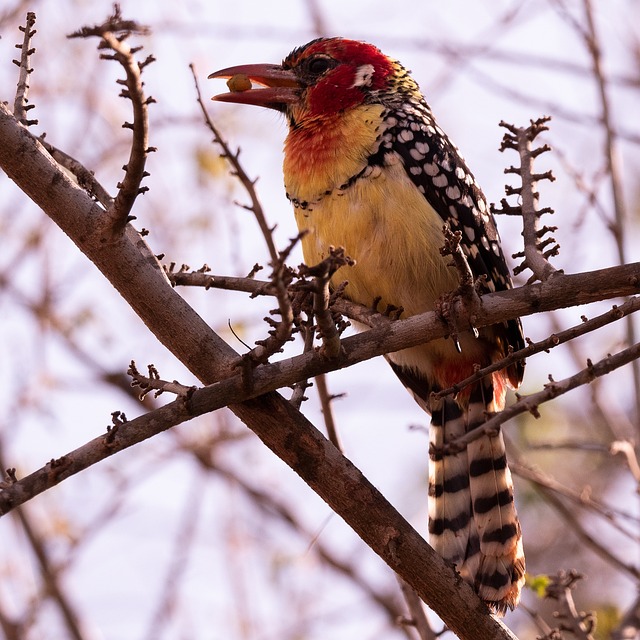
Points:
[[472, 517]]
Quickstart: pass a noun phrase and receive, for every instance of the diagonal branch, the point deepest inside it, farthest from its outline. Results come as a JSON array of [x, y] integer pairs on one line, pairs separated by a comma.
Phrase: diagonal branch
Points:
[[553, 389], [556, 339]]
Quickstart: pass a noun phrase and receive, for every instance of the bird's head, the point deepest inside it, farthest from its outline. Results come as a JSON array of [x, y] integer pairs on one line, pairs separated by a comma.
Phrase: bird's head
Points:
[[323, 78]]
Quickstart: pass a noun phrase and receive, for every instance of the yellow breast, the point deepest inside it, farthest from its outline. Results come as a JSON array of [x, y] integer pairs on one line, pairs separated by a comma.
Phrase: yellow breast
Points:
[[387, 226]]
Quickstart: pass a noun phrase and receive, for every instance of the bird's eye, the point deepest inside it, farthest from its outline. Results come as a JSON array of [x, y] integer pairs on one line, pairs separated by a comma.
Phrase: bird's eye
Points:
[[317, 66]]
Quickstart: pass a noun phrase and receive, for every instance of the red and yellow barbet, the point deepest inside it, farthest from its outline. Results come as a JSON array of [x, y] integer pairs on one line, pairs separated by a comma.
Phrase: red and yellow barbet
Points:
[[366, 167]]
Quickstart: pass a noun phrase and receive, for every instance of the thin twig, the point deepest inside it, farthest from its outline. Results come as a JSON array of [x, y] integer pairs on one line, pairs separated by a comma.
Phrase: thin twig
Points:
[[281, 330], [579, 625], [52, 580], [327, 412], [322, 273], [308, 330], [612, 155], [21, 103], [153, 382], [418, 619], [239, 172]]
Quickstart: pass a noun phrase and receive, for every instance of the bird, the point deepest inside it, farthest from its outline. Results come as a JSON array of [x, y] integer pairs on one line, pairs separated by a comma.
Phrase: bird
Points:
[[367, 167]]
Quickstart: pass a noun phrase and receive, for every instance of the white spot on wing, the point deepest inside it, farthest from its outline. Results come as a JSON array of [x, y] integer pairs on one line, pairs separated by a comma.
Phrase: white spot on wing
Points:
[[431, 169], [440, 181], [453, 193]]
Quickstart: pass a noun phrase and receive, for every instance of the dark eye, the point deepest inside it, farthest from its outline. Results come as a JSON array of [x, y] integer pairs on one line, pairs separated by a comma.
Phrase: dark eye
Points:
[[317, 66]]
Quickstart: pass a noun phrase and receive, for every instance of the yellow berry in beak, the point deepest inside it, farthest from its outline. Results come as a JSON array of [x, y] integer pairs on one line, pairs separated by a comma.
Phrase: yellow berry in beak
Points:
[[239, 83]]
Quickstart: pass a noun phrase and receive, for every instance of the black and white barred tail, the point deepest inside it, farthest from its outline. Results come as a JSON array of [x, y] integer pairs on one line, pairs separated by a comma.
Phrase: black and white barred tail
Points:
[[472, 517]]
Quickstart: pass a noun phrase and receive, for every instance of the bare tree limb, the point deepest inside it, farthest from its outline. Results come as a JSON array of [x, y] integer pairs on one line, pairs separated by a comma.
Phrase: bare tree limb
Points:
[[578, 625]]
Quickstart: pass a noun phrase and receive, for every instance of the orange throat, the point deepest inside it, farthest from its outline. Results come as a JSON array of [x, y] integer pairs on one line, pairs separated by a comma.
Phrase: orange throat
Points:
[[321, 154]]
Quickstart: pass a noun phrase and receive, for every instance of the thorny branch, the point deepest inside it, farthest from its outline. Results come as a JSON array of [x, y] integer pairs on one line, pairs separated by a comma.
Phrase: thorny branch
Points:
[[466, 293], [21, 103], [113, 34], [554, 340], [387, 336], [326, 400], [552, 390], [153, 382], [237, 170], [281, 330], [536, 254]]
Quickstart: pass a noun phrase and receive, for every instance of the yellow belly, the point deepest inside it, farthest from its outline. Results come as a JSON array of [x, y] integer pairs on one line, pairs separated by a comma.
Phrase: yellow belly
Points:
[[388, 227]]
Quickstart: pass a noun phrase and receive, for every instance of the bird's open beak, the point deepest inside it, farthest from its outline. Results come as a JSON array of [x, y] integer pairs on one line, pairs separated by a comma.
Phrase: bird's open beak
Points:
[[279, 86]]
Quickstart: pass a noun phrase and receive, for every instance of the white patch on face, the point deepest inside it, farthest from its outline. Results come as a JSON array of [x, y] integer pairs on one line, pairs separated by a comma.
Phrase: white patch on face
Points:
[[364, 76]]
